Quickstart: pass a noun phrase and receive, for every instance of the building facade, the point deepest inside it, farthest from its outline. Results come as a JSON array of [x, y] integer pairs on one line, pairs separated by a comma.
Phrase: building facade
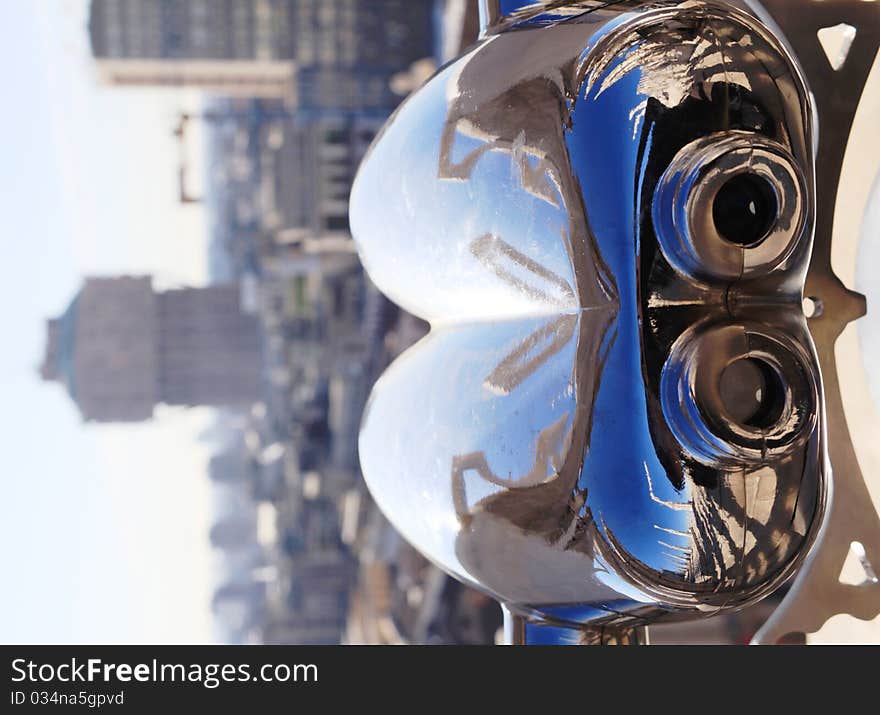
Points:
[[314, 53], [121, 348]]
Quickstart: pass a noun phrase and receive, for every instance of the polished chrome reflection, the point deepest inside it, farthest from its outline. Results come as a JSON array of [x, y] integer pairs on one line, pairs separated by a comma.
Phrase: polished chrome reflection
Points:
[[729, 206], [607, 218]]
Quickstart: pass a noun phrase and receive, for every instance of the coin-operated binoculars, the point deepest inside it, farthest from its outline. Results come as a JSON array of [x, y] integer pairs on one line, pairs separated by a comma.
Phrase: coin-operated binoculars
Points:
[[621, 416]]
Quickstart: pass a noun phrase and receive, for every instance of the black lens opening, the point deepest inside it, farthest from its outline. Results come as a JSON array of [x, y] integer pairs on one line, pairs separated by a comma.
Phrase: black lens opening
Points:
[[753, 393], [745, 209]]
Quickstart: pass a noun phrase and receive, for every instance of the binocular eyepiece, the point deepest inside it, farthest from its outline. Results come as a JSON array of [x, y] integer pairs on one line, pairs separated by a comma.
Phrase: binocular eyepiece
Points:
[[731, 206]]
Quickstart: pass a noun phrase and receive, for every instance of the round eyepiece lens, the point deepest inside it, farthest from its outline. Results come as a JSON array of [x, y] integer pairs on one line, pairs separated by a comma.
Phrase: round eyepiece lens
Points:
[[745, 209], [752, 393]]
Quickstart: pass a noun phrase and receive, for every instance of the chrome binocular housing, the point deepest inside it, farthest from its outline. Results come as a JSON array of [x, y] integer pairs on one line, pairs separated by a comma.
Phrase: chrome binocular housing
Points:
[[606, 212]]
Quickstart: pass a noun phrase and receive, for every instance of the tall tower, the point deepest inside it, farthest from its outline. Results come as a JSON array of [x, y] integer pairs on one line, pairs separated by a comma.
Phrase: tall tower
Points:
[[229, 47], [318, 54], [121, 347]]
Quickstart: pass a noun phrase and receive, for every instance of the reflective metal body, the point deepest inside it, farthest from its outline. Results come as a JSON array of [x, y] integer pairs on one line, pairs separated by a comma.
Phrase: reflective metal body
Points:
[[607, 217]]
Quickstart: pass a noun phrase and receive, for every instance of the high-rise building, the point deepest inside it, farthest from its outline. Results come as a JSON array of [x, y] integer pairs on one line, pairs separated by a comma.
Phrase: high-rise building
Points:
[[121, 347], [318, 53], [232, 47]]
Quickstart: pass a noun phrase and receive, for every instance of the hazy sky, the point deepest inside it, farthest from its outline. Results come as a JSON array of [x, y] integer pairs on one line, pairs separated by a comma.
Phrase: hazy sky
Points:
[[103, 529]]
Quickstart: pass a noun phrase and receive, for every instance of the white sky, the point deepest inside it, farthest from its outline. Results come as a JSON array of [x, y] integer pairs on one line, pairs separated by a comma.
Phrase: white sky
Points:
[[103, 529]]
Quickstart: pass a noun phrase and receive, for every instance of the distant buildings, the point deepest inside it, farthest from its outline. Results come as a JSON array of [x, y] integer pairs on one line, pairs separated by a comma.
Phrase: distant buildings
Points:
[[315, 604], [225, 46], [313, 53], [282, 179], [301, 89], [121, 347], [313, 169]]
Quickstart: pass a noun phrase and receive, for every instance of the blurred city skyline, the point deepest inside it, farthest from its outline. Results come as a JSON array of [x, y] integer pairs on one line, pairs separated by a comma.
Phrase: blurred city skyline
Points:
[[89, 531], [155, 550]]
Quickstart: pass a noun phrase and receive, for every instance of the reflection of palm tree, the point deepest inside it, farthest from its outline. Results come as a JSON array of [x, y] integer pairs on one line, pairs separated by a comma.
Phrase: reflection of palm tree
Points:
[[736, 532], [667, 61], [734, 538]]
